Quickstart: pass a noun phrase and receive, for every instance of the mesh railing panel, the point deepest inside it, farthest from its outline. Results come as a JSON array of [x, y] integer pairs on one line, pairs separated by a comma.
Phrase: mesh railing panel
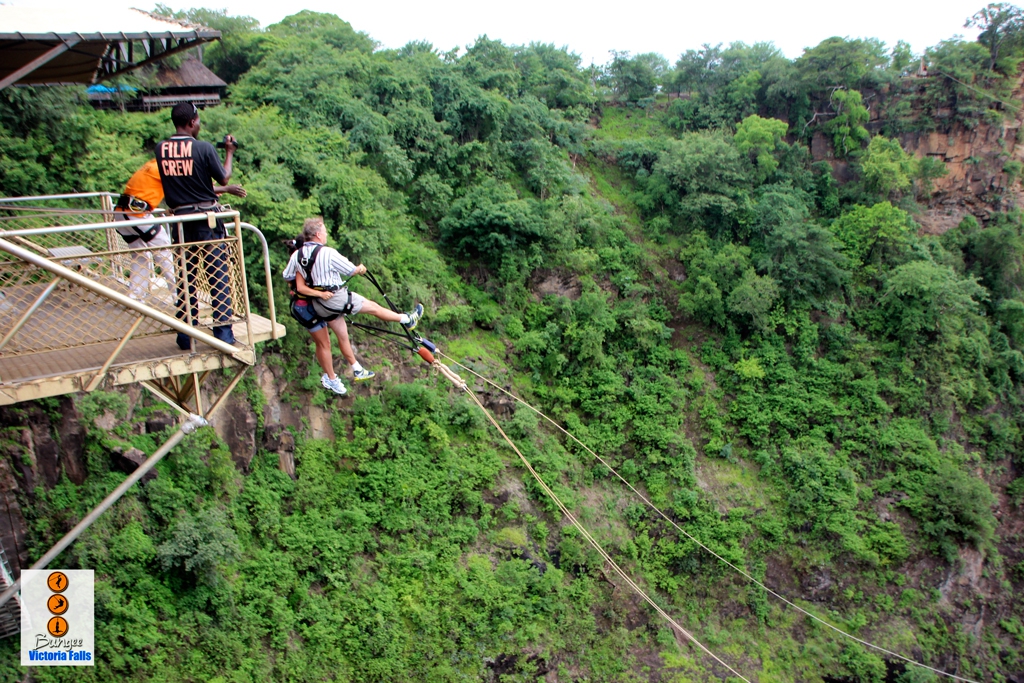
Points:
[[198, 282], [65, 212], [71, 316], [215, 270]]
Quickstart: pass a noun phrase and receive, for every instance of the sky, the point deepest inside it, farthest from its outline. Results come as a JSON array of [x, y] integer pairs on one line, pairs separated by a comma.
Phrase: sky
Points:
[[593, 29]]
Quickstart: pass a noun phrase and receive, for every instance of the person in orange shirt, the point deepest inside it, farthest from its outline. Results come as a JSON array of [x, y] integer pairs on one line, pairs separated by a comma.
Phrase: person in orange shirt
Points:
[[142, 194]]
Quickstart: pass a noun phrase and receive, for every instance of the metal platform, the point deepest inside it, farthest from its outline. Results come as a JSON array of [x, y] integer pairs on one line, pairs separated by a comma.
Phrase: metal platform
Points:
[[80, 310], [66, 371]]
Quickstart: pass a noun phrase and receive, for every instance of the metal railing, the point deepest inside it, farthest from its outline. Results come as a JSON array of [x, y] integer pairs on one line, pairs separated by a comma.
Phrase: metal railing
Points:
[[10, 612], [69, 279], [20, 213]]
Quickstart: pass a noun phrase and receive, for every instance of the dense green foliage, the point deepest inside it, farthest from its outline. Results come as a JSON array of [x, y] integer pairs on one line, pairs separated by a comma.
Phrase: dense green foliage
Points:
[[784, 365]]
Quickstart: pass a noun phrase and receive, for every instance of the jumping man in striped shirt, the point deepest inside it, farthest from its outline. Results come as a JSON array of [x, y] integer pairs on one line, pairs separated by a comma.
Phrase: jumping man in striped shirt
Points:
[[332, 300]]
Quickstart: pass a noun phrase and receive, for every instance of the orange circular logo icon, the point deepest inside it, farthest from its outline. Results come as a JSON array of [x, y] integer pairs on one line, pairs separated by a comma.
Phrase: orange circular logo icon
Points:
[[57, 626], [57, 604], [57, 582]]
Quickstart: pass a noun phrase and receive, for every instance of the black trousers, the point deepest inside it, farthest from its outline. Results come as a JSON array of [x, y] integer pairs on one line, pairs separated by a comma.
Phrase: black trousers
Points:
[[213, 258]]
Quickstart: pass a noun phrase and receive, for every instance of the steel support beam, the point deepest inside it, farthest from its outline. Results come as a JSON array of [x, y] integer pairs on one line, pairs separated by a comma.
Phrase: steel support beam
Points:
[[47, 56], [194, 422], [110, 360], [158, 391]]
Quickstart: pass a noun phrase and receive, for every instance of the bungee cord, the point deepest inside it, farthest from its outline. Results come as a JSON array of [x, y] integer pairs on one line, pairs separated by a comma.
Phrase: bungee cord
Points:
[[427, 350], [690, 536], [586, 534]]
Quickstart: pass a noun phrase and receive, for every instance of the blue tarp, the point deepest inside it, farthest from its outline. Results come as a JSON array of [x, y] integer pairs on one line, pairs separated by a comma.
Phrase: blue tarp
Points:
[[107, 89]]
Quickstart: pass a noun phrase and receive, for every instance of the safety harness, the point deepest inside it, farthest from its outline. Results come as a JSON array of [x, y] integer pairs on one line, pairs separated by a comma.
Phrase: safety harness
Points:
[[128, 203], [309, 317], [306, 264]]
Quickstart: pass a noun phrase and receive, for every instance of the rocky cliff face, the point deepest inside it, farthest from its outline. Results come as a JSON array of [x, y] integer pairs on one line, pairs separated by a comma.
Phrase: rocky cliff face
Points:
[[975, 159], [37, 447], [42, 442]]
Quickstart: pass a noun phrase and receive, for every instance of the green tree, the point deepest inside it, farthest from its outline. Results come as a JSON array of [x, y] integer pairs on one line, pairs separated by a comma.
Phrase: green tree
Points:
[[847, 126], [826, 190], [725, 85], [702, 180], [887, 170], [753, 299], [875, 236], [553, 75], [924, 299], [712, 272], [324, 29], [200, 544], [901, 59], [493, 223], [928, 169], [803, 257], [1002, 29], [760, 138], [697, 71], [842, 63], [638, 77], [966, 84], [238, 48], [492, 65], [996, 255]]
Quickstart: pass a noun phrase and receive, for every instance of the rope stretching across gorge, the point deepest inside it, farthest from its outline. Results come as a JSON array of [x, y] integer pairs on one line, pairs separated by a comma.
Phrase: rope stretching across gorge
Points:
[[688, 535], [459, 382]]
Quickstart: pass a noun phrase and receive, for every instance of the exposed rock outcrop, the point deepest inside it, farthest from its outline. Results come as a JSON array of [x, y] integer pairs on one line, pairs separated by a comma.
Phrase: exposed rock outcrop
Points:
[[279, 439], [546, 282], [236, 424], [975, 158], [12, 521], [36, 448], [159, 422], [131, 459], [51, 442], [279, 411]]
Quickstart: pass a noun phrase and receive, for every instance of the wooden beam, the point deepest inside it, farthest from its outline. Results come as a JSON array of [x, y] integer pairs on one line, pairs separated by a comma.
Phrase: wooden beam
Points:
[[107, 70]]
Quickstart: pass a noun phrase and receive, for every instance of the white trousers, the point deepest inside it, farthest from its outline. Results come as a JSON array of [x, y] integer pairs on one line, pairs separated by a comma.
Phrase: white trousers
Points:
[[140, 282]]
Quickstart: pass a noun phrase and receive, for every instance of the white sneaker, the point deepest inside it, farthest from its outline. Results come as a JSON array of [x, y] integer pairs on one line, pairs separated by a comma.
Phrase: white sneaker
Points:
[[334, 385], [362, 375], [414, 317]]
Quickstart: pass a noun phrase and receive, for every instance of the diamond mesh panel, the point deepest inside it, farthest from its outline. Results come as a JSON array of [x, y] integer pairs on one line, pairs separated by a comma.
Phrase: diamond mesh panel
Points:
[[201, 282], [48, 213], [214, 273]]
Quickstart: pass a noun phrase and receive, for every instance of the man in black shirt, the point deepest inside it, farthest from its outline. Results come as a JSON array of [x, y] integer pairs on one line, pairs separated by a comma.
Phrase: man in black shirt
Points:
[[188, 168]]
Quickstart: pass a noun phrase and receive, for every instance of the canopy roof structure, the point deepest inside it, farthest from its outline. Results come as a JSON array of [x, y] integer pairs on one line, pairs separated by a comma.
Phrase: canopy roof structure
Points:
[[80, 45]]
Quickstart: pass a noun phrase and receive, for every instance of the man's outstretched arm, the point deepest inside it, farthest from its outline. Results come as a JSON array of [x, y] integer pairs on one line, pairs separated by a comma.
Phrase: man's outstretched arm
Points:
[[236, 190]]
